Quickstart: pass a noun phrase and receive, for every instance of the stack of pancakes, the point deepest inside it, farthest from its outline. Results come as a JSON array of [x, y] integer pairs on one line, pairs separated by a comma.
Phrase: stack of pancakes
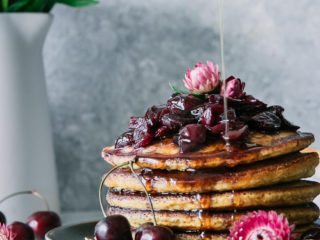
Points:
[[201, 194]]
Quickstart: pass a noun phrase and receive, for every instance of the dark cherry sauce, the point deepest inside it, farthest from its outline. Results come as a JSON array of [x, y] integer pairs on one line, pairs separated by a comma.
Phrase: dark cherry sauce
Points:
[[192, 122]]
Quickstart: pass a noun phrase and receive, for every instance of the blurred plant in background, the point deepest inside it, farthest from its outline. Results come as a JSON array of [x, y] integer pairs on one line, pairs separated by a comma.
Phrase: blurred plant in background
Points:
[[40, 5]]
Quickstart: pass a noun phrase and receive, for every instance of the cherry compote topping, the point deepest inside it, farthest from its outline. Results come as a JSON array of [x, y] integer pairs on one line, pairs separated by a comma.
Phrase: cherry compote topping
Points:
[[162, 132], [115, 227], [3, 219], [211, 114], [175, 122], [285, 124], [192, 120], [148, 231], [236, 134], [183, 103], [21, 231], [155, 113], [142, 137], [218, 129], [42, 222], [215, 98], [265, 121], [191, 136], [142, 133], [126, 139]]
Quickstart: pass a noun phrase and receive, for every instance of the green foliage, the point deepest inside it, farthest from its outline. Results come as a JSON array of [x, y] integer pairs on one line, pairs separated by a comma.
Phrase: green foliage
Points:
[[15, 7], [78, 3], [202, 96], [40, 5]]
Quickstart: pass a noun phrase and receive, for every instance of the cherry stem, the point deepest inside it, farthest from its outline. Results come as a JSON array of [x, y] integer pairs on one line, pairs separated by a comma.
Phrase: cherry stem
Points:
[[146, 192], [130, 164], [32, 192], [102, 183]]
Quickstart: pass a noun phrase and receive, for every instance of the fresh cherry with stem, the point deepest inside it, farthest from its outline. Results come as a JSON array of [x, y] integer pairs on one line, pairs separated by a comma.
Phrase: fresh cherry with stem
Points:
[[40, 222], [106, 229], [114, 227]]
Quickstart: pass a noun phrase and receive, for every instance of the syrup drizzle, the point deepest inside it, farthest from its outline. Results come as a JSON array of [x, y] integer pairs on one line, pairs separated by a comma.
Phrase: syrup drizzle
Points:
[[225, 102], [223, 74]]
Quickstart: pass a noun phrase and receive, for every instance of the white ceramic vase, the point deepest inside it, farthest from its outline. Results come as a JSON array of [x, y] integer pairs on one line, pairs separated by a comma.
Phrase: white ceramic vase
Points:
[[26, 148]]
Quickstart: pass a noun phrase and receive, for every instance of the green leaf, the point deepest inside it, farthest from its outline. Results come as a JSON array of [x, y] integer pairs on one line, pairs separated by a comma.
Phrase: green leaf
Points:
[[177, 90], [35, 6], [49, 5], [79, 3], [202, 96], [18, 5], [4, 5]]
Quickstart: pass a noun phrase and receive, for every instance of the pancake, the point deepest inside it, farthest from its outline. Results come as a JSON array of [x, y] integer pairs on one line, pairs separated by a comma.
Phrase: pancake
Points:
[[286, 168], [164, 154], [224, 236], [280, 195], [211, 220]]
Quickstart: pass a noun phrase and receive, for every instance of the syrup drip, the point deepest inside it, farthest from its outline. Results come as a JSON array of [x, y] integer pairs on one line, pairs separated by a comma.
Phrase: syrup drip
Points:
[[223, 74], [225, 102], [204, 235]]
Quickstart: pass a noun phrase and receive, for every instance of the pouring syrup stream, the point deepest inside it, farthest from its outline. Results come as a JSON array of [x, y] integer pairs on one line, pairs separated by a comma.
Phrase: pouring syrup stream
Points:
[[225, 102], [223, 74]]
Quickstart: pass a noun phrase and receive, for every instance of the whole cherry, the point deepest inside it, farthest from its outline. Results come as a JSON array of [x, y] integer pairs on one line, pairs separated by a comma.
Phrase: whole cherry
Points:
[[3, 219], [42, 222], [115, 227], [21, 231], [142, 227], [148, 231]]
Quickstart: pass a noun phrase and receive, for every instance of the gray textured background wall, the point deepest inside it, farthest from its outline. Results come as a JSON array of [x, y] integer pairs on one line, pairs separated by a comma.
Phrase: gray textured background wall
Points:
[[111, 61]]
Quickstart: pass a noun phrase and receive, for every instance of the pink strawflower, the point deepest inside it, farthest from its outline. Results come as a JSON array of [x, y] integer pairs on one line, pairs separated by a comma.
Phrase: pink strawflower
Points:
[[262, 225], [5, 233], [203, 78], [234, 88]]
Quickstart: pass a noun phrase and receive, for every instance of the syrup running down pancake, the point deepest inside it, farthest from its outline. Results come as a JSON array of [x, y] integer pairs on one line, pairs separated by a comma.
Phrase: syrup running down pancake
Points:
[[164, 154], [285, 168], [211, 220], [289, 194]]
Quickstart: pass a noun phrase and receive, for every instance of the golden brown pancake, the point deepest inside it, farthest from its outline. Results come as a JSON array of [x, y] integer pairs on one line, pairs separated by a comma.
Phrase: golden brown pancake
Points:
[[280, 195], [211, 220], [164, 154], [286, 168]]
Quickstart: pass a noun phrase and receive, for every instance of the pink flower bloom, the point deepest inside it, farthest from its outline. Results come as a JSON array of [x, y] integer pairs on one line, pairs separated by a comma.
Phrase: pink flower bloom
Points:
[[203, 78], [261, 225], [234, 88], [5, 233]]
